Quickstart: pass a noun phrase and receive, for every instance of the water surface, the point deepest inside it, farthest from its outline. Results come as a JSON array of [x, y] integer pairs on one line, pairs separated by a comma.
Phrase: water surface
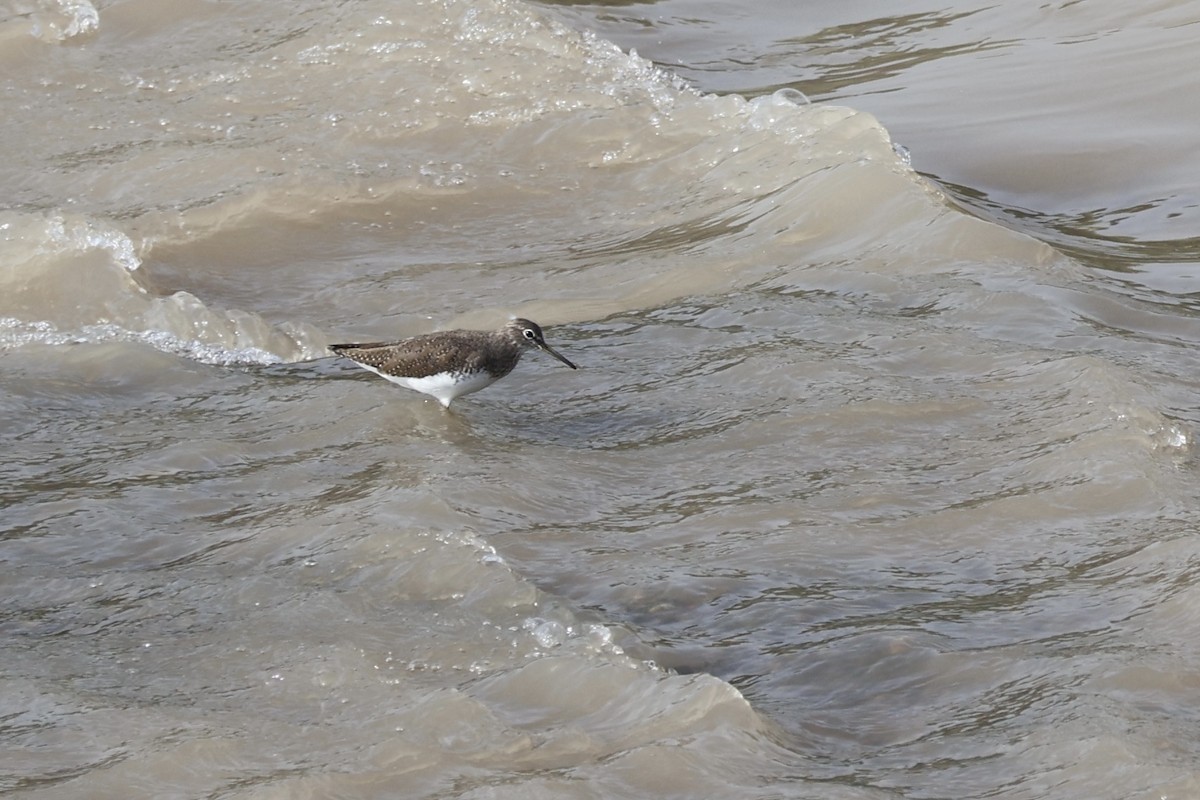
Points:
[[876, 481]]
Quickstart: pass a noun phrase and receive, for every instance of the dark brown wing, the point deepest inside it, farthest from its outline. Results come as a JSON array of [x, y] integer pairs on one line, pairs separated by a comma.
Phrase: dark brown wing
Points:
[[421, 356]]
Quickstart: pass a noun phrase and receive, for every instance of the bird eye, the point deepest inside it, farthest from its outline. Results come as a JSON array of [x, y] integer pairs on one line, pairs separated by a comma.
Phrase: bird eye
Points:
[[529, 334]]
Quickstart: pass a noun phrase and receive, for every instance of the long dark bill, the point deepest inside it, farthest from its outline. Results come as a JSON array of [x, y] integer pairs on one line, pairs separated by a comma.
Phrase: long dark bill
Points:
[[557, 355]]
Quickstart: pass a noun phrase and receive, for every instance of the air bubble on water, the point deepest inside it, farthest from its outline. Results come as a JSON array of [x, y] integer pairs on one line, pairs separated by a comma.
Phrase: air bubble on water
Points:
[[793, 96], [550, 634], [598, 636]]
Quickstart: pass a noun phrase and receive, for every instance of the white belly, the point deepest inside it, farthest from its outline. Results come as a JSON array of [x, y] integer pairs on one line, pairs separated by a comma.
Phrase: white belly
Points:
[[445, 386]]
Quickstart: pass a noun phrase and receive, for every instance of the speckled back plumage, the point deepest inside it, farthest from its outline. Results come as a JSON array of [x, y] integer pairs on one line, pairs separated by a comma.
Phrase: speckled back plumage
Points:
[[434, 353]]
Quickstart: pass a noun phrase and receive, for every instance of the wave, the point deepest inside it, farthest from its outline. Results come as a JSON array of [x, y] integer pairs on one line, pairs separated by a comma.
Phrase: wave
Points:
[[72, 280]]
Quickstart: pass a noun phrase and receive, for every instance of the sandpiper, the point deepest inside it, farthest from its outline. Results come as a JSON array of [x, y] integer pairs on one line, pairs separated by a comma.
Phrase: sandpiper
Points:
[[450, 364]]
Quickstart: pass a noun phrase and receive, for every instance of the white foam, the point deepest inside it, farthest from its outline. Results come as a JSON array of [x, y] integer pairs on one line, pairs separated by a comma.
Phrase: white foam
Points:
[[60, 20], [17, 333]]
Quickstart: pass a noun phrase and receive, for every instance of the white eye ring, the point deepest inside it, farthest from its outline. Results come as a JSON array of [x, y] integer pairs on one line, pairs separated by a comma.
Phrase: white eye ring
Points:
[[529, 334]]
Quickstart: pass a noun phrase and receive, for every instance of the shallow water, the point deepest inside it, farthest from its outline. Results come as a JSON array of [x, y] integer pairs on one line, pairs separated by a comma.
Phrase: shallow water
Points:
[[876, 479]]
